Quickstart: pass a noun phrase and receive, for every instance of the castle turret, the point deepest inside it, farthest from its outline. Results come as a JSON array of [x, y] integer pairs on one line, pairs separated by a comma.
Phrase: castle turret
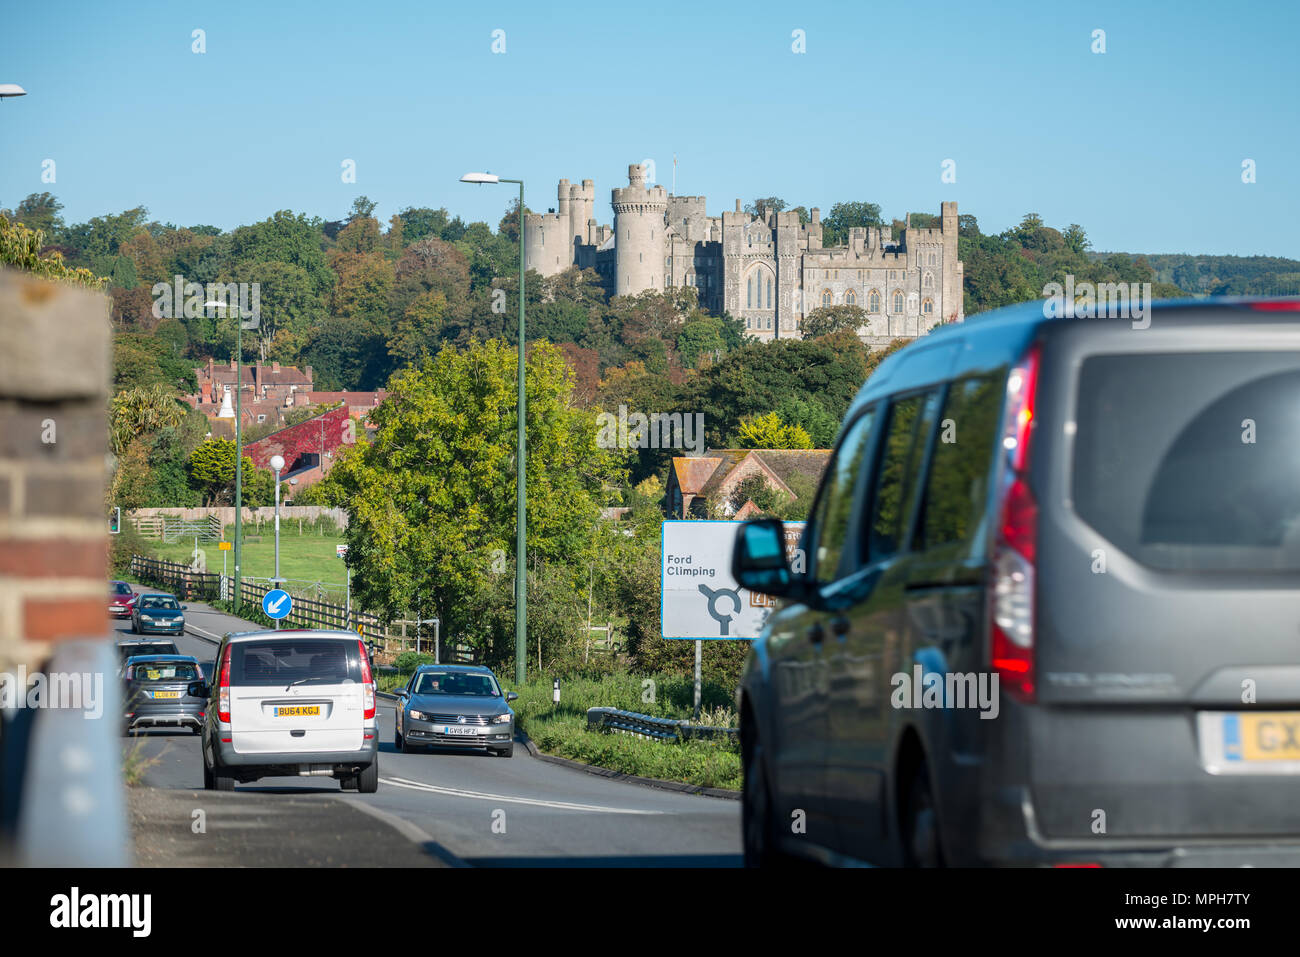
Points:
[[639, 234], [952, 302]]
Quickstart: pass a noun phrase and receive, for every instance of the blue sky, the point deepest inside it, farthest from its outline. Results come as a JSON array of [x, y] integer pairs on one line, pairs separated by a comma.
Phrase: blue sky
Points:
[[1143, 144]]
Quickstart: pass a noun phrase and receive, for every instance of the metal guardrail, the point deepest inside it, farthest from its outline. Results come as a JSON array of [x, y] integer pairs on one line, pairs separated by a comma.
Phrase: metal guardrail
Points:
[[647, 726]]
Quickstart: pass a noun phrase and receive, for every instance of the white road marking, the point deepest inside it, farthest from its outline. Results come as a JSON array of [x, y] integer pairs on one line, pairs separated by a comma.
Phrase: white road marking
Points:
[[506, 799]]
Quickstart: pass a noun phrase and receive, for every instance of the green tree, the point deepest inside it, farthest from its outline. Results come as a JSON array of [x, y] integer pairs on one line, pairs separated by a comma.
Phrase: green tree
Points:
[[846, 216], [824, 320], [431, 499], [212, 471], [769, 432]]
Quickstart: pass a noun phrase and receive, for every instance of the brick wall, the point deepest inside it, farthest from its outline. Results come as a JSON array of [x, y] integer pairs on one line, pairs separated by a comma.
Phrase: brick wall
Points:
[[54, 374]]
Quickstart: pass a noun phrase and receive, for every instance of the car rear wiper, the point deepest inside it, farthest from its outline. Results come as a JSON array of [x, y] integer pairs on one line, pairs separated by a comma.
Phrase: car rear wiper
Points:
[[308, 678]]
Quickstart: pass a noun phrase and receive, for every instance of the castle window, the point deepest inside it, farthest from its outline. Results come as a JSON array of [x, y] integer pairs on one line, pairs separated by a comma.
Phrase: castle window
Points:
[[898, 300], [873, 301], [827, 298], [893, 274], [933, 259], [769, 293], [928, 281], [749, 293], [850, 298], [927, 307]]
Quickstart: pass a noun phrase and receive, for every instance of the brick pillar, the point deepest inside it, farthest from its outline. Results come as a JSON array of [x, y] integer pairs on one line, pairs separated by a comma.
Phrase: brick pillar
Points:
[[54, 374]]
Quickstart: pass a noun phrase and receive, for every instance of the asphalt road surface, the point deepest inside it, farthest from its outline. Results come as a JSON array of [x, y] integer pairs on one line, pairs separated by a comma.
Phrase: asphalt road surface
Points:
[[477, 809]]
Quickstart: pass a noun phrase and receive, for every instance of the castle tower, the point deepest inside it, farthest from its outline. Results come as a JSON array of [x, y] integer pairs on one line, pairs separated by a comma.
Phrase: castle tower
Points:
[[548, 237], [639, 234], [952, 274]]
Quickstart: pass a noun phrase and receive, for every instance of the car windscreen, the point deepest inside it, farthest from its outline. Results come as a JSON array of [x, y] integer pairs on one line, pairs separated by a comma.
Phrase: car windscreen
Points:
[[160, 603], [120, 588], [165, 671], [456, 683], [1190, 461], [282, 661]]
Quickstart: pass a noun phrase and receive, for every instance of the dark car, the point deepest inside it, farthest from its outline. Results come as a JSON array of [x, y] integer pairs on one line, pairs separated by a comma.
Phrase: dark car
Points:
[[164, 691], [455, 706], [160, 614], [144, 646], [1049, 608], [121, 599]]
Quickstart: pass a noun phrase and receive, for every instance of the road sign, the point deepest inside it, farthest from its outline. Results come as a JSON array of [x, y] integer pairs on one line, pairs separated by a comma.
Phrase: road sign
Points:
[[223, 546], [340, 550], [700, 599], [277, 604]]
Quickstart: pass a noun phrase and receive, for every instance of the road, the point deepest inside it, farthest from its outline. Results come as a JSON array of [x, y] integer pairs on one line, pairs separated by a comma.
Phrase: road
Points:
[[476, 809]]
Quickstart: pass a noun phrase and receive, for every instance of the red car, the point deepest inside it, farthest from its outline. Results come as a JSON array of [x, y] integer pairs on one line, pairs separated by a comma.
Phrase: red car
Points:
[[121, 599]]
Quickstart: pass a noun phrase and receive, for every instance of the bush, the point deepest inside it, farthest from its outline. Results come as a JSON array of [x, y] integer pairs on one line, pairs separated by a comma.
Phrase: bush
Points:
[[123, 545], [408, 661]]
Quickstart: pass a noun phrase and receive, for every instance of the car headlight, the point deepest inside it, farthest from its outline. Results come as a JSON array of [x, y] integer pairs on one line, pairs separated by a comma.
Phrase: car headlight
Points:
[[418, 716], [147, 618], [502, 718]]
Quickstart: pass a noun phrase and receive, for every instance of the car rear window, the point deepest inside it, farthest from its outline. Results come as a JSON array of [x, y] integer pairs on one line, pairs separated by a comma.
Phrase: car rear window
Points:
[[285, 660], [1191, 461], [165, 671]]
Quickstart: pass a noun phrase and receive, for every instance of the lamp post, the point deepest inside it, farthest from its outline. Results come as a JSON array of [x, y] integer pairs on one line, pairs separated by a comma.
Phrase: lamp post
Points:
[[521, 516], [277, 464], [11, 89], [239, 445]]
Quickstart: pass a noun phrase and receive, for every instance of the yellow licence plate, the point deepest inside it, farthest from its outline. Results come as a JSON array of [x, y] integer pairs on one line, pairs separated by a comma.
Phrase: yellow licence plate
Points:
[[166, 694], [1267, 736], [297, 711]]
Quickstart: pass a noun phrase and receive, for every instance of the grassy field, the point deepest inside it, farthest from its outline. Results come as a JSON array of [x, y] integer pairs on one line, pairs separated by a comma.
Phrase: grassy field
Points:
[[308, 556]]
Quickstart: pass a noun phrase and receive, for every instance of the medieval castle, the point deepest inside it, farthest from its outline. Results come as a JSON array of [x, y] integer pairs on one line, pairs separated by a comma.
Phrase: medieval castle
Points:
[[768, 272]]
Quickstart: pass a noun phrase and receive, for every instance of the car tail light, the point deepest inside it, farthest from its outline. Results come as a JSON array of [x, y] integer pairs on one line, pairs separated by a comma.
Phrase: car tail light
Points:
[[223, 689], [1012, 566], [367, 681], [1277, 305]]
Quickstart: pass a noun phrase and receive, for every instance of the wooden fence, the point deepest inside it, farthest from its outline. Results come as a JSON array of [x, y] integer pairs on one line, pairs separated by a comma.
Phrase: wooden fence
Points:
[[393, 637]]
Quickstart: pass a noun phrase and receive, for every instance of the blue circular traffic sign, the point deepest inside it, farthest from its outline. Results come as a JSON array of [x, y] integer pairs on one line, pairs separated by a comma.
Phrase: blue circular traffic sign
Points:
[[277, 604]]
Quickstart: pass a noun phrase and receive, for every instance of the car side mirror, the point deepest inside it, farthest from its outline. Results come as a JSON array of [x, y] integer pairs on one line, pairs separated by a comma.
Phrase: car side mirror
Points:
[[511, 696], [758, 561], [197, 689], [185, 607], [401, 693]]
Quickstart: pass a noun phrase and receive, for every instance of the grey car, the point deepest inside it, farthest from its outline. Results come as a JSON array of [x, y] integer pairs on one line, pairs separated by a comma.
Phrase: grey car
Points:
[[455, 706], [1047, 608], [164, 691]]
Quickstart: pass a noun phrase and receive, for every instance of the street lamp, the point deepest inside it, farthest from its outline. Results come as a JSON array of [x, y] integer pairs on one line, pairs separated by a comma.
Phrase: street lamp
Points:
[[277, 464], [239, 436], [11, 89], [521, 518]]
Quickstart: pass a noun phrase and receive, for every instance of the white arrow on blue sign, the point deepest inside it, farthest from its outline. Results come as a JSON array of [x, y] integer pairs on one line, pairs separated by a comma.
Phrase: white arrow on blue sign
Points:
[[277, 604]]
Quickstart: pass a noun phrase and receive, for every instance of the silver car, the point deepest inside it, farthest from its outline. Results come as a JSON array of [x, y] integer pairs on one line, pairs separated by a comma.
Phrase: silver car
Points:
[[455, 706]]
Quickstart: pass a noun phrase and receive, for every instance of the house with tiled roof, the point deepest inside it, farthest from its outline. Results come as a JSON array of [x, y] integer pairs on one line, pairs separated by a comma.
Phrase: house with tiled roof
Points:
[[695, 480]]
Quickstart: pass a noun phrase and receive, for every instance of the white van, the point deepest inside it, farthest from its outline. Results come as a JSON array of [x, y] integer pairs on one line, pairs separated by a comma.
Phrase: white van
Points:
[[291, 703]]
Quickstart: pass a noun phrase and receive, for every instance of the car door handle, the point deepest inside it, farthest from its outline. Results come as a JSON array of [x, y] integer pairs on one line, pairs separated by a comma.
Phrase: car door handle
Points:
[[816, 633], [840, 626]]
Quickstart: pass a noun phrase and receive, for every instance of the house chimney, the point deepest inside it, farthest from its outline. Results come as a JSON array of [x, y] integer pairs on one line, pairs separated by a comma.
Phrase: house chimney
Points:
[[275, 367], [232, 363], [308, 374]]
